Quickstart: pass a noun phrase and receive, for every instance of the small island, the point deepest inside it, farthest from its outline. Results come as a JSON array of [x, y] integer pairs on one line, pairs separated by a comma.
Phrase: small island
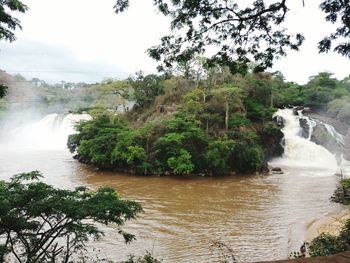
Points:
[[218, 124]]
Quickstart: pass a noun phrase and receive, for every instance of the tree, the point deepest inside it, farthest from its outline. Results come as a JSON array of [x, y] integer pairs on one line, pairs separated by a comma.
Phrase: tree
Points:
[[40, 223], [181, 164], [239, 34], [8, 23], [219, 155], [146, 89], [181, 149], [337, 11], [230, 94]]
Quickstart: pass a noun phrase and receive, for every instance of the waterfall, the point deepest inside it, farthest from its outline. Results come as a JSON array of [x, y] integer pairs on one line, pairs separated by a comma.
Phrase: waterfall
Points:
[[300, 152], [49, 133], [338, 137]]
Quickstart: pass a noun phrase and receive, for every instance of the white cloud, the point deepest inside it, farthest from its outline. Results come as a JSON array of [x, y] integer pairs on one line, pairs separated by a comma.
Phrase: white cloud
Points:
[[53, 63], [88, 38]]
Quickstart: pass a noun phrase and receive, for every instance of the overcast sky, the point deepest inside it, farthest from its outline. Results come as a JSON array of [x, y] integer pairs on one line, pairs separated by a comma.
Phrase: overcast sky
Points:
[[84, 40]]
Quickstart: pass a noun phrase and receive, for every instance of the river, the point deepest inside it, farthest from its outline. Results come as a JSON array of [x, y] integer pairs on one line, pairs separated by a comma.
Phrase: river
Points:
[[261, 217]]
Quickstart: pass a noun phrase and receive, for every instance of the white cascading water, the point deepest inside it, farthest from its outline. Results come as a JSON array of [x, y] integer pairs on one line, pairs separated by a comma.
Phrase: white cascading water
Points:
[[311, 123], [300, 152], [48, 133], [338, 137]]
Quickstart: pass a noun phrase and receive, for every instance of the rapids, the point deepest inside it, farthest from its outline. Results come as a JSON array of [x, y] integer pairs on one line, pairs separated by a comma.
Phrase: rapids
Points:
[[302, 152], [261, 217]]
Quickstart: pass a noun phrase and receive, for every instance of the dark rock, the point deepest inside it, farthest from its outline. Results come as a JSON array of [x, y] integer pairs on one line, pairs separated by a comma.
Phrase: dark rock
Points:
[[271, 143], [299, 108], [279, 120], [304, 124], [296, 109], [321, 136], [341, 195], [276, 169], [306, 110], [340, 126]]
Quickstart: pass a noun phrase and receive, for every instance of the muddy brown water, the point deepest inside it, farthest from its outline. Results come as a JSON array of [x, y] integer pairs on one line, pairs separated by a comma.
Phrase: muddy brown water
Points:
[[261, 217]]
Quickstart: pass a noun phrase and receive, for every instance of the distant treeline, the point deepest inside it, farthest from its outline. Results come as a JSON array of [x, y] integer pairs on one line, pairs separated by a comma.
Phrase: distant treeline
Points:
[[22, 94]]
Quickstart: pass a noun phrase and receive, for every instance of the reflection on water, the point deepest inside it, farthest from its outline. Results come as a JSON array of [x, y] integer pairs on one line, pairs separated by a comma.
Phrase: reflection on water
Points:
[[260, 217]]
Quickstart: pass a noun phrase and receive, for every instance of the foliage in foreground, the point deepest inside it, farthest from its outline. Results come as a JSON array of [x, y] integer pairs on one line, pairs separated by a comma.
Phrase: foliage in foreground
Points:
[[147, 258], [326, 244], [40, 223], [9, 23], [238, 33], [342, 193]]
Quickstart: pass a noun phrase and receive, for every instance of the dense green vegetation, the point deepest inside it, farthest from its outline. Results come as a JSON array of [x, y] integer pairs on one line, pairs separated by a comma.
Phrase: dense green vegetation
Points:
[[218, 124], [326, 244], [40, 223], [342, 193], [178, 128]]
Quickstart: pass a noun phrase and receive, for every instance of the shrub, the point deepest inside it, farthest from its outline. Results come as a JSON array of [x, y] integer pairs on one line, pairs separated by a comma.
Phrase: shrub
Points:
[[237, 120], [325, 245], [219, 155], [248, 157], [181, 164]]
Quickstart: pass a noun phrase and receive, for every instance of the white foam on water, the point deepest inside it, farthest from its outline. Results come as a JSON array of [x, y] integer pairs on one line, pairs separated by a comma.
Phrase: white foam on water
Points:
[[301, 153], [49, 133]]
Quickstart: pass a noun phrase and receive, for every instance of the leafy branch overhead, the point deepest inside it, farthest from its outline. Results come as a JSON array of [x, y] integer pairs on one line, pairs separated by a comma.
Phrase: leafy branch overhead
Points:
[[238, 35], [9, 23], [337, 11]]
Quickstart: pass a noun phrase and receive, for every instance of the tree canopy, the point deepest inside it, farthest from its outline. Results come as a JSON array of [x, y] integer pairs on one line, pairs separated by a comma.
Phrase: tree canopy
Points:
[[9, 23], [240, 34], [40, 223]]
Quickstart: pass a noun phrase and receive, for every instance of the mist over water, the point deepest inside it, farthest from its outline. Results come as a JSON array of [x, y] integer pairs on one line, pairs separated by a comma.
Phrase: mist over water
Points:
[[48, 133], [30, 141]]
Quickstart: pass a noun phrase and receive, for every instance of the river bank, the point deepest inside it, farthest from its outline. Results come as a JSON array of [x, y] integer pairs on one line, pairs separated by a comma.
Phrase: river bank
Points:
[[330, 224]]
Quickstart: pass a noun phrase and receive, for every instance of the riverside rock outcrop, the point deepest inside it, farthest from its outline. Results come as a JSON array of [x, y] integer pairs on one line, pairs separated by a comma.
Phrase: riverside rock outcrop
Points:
[[322, 136]]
